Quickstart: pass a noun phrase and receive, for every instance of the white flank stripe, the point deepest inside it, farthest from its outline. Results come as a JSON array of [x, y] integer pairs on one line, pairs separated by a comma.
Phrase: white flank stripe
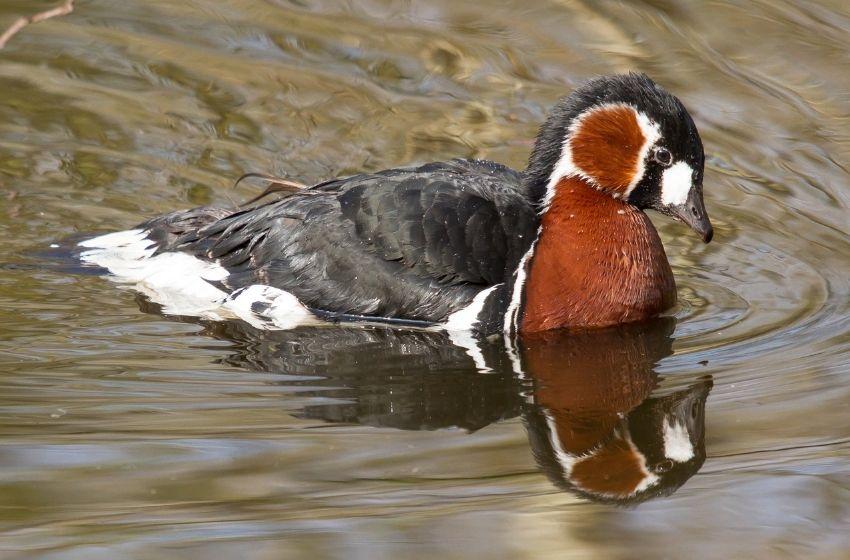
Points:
[[512, 313], [511, 324], [461, 324], [467, 318]]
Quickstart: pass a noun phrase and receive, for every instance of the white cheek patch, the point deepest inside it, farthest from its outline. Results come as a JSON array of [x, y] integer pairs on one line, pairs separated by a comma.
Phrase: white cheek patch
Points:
[[676, 183]]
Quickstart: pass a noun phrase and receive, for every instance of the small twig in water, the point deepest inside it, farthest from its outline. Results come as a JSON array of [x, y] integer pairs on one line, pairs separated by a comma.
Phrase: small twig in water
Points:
[[66, 8]]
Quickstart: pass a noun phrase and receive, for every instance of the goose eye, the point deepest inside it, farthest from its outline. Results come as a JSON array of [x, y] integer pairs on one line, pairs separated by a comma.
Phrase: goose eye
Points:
[[663, 156]]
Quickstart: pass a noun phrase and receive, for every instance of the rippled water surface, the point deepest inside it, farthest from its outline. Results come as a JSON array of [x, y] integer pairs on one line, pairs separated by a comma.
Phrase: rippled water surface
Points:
[[125, 433]]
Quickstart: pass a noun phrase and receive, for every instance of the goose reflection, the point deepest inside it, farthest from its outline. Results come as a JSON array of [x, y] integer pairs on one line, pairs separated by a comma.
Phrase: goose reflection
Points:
[[598, 424]]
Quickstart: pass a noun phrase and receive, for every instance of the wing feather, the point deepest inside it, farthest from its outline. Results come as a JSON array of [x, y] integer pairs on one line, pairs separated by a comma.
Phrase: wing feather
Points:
[[458, 222], [414, 243]]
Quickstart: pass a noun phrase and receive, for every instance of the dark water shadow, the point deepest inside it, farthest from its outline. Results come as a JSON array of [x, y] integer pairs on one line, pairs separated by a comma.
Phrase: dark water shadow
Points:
[[598, 423]]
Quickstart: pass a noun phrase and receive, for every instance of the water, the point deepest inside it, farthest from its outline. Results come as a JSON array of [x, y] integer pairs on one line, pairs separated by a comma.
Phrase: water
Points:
[[124, 433]]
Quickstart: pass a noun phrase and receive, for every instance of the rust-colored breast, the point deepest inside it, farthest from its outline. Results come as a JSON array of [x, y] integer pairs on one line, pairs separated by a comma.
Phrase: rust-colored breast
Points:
[[598, 262]]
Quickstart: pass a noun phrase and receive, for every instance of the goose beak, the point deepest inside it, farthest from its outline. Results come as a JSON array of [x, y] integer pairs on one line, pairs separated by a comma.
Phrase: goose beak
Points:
[[692, 212]]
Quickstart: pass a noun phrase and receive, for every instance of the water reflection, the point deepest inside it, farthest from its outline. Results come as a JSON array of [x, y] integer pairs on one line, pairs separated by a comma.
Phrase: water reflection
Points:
[[596, 427], [597, 424]]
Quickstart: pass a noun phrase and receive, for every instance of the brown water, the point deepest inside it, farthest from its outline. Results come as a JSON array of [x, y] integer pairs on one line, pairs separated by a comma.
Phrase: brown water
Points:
[[124, 433]]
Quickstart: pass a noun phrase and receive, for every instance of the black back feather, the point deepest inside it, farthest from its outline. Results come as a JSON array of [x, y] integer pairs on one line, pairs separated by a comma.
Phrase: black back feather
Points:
[[416, 243]]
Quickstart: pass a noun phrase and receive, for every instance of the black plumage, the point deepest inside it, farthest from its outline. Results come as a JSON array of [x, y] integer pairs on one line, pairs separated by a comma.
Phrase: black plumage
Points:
[[411, 243]]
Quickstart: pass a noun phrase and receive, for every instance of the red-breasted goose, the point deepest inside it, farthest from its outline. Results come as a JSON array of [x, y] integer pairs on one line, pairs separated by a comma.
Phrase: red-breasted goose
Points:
[[461, 245]]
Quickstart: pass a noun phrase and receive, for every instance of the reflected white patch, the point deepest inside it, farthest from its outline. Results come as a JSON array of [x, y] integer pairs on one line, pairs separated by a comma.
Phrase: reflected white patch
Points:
[[676, 183], [648, 481], [512, 349], [566, 460], [677, 442], [460, 325], [180, 283]]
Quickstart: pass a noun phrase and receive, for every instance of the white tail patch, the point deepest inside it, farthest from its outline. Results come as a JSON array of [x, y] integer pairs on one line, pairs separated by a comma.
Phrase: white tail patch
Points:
[[266, 307], [182, 283], [132, 243]]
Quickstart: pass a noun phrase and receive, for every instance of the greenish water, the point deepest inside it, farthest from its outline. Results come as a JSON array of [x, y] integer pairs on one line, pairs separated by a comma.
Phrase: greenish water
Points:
[[124, 433]]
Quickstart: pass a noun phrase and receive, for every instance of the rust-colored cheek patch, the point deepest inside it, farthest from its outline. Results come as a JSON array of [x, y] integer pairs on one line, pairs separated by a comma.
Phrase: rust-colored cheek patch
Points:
[[606, 147]]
